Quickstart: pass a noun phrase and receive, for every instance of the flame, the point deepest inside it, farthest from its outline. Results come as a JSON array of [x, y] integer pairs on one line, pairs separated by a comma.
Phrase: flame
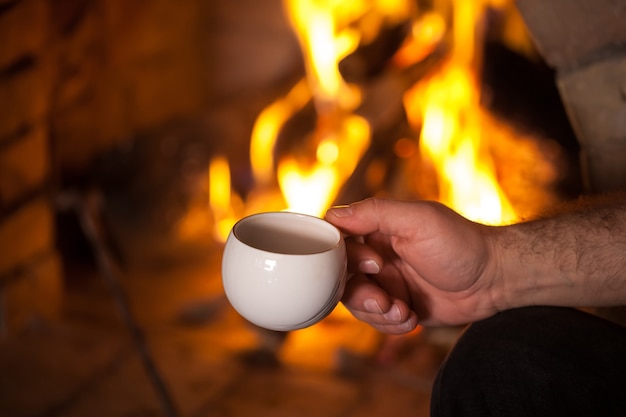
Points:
[[444, 108], [267, 127], [316, 24], [311, 189], [447, 106], [328, 30], [426, 33], [220, 197]]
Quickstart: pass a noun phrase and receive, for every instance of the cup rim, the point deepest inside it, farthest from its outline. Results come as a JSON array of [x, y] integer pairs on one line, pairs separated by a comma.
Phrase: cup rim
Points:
[[323, 222]]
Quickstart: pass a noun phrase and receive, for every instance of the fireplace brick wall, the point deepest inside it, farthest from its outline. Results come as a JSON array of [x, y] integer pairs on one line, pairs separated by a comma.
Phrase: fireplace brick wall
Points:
[[30, 274], [79, 78], [76, 78]]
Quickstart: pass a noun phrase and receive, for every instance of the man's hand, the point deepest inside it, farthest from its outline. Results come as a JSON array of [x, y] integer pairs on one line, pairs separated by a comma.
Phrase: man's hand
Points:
[[416, 262], [420, 262]]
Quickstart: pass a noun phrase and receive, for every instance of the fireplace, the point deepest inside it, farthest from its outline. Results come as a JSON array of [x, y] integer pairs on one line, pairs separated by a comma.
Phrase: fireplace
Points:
[[133, 134]]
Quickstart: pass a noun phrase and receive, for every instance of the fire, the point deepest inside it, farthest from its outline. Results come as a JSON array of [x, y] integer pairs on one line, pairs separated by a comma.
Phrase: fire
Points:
[[328, 31], [223, 202], [426, 32], [443, 107], [267, 127], [220, 197], [325, 36], [447, 107], [311, 190]]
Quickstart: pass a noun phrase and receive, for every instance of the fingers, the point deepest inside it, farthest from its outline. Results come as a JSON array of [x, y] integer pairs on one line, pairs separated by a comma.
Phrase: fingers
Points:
[[363, 258], [361, 220], [366, 299], [371, 304]]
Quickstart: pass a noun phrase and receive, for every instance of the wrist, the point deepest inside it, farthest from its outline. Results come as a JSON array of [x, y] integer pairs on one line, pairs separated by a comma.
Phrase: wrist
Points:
[[512, 284]]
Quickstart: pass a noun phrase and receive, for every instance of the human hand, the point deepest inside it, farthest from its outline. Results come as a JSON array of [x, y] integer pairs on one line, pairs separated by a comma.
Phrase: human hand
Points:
[[415, 262]]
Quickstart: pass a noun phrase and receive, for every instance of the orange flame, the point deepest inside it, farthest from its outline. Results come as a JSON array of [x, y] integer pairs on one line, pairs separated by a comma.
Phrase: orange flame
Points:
[[426, 33], [311, 189], [447, 107], [444, 108], [267, 127], [220, 197], [328, 30]]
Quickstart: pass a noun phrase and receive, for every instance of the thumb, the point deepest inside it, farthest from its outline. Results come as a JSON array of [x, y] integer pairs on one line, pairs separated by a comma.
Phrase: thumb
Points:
[[372, 215]]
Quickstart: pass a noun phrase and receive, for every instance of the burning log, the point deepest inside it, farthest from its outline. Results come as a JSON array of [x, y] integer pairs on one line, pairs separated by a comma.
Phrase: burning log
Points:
[[371, 60]]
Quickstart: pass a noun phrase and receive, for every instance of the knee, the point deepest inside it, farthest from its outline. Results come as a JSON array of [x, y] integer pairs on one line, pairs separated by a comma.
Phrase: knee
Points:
[[494, 360], [525, 358]]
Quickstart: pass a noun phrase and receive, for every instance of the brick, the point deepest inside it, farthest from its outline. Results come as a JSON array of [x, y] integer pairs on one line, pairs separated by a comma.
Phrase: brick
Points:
[[248, 50], [23, 30], [162, 92], [25, 234], [140, 31], [91, 111], [569, 32], [128, 66], [155, 54], [79, 59], [595, 99], [33, 296], [24, 99], [24, 165], [90, 126]]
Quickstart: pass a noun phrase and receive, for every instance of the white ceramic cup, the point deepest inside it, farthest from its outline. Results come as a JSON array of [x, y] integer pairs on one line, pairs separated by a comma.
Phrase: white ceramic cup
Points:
[[284, 271]]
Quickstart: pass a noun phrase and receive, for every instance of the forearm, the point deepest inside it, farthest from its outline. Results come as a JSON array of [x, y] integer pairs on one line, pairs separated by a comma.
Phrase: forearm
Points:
[[575, 258]]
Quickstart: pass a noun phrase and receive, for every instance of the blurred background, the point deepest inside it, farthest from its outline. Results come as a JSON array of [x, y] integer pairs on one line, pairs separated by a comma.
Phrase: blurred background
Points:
[[134, 134]]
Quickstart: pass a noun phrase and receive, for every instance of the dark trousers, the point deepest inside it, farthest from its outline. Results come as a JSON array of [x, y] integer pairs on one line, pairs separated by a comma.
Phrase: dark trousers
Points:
[[536, 361]]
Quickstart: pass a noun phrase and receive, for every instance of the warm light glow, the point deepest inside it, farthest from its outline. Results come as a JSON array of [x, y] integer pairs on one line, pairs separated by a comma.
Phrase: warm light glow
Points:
[[393, 10], [404, 148], [220, 197], [219, 175], [311, 188], [327, 152], [444, 108], [426, 33], [267, 127], [307, 191], [466, 20], [447, 106], [328, 31], [353, 139], [324, 44]]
